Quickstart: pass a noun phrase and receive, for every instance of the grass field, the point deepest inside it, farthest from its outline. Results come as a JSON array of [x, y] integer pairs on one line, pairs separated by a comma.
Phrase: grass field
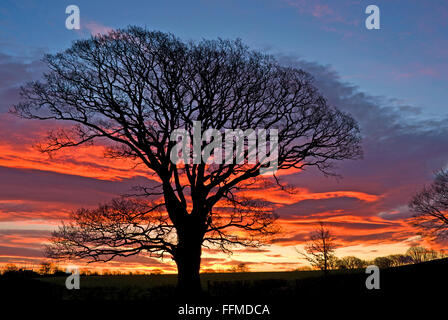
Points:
[[151, 281], [411, 280]]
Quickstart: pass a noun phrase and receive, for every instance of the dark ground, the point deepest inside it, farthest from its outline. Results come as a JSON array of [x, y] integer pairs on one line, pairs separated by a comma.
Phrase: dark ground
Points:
[[285, 293]]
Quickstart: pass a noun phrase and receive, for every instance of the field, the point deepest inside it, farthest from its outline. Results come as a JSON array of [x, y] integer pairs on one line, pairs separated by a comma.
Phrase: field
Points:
[[151, 281], [280, 290], [153, 287]]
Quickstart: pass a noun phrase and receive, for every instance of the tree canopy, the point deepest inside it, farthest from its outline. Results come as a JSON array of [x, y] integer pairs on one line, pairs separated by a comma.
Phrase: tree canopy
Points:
[[430, 208], [131, 89]]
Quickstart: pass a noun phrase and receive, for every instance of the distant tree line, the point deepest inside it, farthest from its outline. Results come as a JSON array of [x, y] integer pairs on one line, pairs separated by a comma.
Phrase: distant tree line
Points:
[[416, 254], [320, 253], [50, 269], [413, 255]]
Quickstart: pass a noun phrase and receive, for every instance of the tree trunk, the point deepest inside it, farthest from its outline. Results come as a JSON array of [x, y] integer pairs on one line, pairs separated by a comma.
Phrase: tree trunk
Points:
[[188, 260], [325, 264]]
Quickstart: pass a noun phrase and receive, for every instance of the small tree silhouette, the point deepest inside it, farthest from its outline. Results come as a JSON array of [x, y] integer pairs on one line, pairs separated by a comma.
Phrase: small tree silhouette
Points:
[[10, 267], [319, 250], [419, 254], [351, 262], [383, 262], [46, 268], [430, 208], [241, 267]]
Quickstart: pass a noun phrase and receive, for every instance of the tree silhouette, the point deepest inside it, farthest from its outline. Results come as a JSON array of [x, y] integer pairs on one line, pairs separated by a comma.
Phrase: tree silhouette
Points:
[[351, 262], [430, 208], [399, 259], [383, 262], [319, 250], [421, 254], [131, 90], [241, 267], [46, 268]]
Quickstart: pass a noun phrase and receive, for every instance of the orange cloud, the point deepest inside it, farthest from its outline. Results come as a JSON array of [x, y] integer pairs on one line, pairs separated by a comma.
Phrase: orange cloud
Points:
[[279, 196]]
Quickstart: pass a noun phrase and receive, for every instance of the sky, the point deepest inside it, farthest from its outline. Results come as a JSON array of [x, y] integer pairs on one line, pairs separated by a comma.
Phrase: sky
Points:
[[393, 81]]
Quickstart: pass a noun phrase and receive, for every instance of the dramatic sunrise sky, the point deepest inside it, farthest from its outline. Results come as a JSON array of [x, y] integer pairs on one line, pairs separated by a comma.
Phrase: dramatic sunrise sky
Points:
[[394, 81]]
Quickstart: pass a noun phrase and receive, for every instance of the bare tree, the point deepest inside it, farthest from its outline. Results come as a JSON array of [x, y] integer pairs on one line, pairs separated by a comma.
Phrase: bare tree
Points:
[[443, 254], [10, 267], [131, 90], [430, 208], [421, 254], [46, 268], [399, 259], [319, 250], [383, 262], [350, 263], [241, 267]]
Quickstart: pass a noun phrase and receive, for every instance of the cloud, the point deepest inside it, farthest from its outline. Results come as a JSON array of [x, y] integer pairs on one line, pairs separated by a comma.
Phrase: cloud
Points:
[[19, 252], [311, 207], [36, 194], [368, 206], [324, 11], [401, 152], [19, 135], [376, 237], [96, 28], [15, 72], [396, 143]]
